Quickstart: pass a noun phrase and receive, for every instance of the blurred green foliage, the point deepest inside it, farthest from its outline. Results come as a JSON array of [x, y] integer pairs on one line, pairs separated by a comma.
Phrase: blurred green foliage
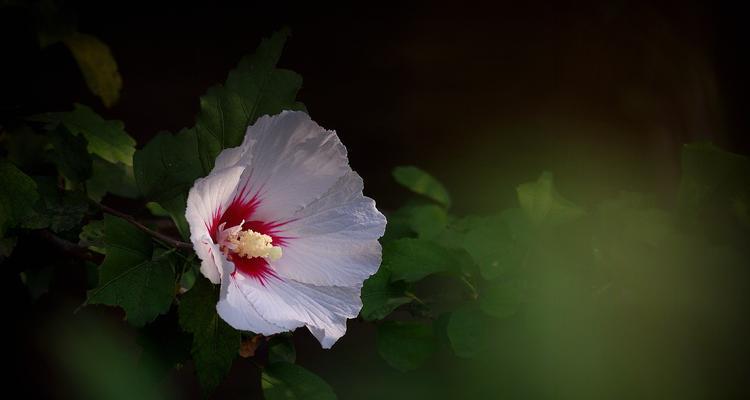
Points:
[[546, 298]]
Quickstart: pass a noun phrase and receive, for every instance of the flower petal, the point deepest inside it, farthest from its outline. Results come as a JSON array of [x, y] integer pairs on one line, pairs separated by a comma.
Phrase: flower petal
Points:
[[291, 161], [207, 198], [278, 304], [334, 240]]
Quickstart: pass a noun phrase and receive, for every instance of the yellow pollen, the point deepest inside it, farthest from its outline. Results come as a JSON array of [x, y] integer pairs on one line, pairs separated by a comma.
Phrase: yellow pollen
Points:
[[253, 244]]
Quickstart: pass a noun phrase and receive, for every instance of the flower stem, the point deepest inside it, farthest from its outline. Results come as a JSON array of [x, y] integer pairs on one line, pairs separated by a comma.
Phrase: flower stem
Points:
[[160, 236]]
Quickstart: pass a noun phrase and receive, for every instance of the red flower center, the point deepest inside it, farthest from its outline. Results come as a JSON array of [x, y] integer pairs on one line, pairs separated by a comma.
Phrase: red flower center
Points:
[[242, 208]]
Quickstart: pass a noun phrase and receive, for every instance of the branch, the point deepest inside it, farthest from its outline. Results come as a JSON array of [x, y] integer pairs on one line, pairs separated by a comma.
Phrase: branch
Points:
[[68, 247], [164, 238]]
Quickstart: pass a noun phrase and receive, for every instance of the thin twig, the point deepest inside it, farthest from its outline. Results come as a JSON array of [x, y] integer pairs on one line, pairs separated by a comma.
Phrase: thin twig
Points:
[[68, 247], [160, 236]]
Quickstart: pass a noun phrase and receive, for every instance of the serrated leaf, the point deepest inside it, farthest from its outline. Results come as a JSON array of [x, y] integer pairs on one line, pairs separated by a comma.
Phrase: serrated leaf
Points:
[[106, 138], [413, 259], [97, 65], [69, 154], [380, 296], [285, 381], [166, 168], [18, 193], [215, 343], [281, 349], [498, 243], [406, 345], [117, 179], [132, 276], [422, 183], [543, 204], [255, 88]]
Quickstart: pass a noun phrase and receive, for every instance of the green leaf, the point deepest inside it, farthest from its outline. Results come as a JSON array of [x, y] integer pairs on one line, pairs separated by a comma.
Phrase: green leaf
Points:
[[59, 210], [502, 299], [97, 65], [255, 88], [380, 296], [18, 193], [406, 345], [543, 204], [92, 236], [466, 332], [106, 138], [413, 259], [117, 179], [132, 276], [285, 381], [421, 182], [428, 221], [498, 243], [281, 349], [166, 168], [25, 148], [215, 343], [157, 210], [69, 155]]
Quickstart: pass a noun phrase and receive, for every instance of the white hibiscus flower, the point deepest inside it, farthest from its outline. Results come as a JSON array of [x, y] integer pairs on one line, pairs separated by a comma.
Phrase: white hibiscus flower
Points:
[[282, 225]]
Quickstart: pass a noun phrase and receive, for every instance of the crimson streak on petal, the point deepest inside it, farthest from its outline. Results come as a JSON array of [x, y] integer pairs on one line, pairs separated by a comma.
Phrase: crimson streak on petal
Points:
[[242, 209]]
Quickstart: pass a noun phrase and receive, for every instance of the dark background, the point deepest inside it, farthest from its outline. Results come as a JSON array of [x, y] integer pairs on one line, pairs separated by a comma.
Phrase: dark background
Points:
[[484, 96]]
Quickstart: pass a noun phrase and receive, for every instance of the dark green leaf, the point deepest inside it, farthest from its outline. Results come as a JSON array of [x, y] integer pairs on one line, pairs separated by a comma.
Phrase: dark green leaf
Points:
[[157, 210], [164, 344], [111, 178], [18, 193], [405, 345], [166, 168], [92, 236], [498, 243], [467, 332], [132, 276], [215, 343], [59, 210], [285, 381], [380, 296], [255, 88], [413, 259], [543, 204], [106, 138], [69, 155], [281, 349], [428, 221], [422, 183], [25, 148]]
